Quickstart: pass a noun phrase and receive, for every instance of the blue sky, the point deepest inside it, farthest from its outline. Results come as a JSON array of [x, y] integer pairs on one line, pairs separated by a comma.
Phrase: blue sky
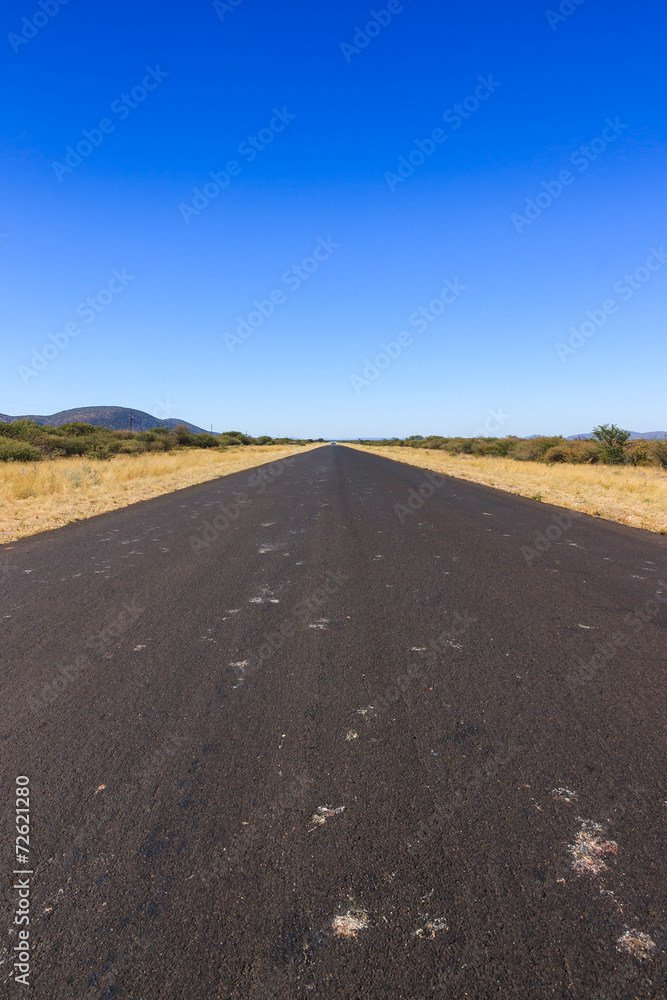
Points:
[[170, 92]]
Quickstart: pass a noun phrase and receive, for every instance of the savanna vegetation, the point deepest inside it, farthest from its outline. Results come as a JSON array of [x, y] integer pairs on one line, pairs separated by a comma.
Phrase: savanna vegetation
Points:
[[609, 445], [27, 441]]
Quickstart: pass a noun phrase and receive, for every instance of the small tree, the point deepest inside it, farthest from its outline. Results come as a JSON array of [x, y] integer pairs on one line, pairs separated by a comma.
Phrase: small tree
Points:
[[183, 434], [612, 442]]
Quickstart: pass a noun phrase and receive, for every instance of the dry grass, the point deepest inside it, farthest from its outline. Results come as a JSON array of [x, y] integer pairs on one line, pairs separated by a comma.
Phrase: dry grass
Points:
[[49, 494], [626, 494]]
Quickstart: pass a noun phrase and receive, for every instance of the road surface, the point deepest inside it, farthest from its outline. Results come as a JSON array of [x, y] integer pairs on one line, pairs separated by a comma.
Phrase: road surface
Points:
[[333, 729]]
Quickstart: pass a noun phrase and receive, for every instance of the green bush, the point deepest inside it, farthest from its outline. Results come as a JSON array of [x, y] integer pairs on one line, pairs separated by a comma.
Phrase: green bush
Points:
[[78, 429], [612, 441], [22, 430], [640, 453], [204, 441], [183, 434], [659, 453], [13, 450], [559, 453]]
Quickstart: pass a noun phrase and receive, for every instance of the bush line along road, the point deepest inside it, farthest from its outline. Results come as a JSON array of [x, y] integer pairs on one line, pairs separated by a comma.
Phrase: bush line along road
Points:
[[329, 751]]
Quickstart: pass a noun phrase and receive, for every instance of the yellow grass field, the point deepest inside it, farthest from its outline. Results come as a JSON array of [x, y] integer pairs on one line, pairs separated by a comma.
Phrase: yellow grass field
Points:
[[628, 494], [35, 497]]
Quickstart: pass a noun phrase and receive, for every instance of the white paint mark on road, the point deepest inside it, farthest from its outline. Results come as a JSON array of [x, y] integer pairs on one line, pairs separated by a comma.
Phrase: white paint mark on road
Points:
[[351, 735]]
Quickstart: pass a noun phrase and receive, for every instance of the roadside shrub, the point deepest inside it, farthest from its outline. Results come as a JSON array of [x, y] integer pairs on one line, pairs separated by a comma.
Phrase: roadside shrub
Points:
[[132, 447], [159, 439], [13, 450], [659, 452], [460, 446], [61, 445], [576, 452], [559, 453], [78, 429], [204, 441], [183, 434], [612, 442], [534, 449], [640, 453], [504, 446], [22, 430]]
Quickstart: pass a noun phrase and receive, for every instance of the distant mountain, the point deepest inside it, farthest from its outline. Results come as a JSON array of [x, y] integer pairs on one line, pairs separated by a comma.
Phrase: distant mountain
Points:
[[115, 417], [646, 435]]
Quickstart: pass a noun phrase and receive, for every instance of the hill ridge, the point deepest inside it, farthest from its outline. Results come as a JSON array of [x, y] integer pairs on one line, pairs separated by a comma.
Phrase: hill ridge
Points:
[[117, 418]]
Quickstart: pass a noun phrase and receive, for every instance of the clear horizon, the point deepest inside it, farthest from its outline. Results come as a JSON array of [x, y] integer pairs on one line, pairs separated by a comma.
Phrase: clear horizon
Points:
[[392, 217]]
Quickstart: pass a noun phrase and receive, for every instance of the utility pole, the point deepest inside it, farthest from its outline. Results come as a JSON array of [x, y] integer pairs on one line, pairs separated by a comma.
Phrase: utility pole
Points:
[[130, 421]]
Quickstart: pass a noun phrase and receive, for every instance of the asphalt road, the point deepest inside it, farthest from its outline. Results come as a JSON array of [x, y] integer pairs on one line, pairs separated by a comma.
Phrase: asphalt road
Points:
[[313, 735]]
